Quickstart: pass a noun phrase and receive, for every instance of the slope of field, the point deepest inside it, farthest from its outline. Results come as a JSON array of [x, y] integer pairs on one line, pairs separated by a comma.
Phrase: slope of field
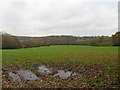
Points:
[[101, 60]]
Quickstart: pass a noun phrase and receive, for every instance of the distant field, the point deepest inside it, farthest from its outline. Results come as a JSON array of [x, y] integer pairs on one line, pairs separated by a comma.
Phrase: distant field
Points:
[[68, 57], [60, 54]]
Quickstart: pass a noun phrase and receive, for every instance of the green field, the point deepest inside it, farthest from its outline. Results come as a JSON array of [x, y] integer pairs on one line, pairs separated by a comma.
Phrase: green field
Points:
[[60, 54], [105, 59]]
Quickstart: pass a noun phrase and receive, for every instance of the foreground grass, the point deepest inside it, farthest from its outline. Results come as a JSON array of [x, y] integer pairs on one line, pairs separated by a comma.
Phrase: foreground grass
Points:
[[99, 63]]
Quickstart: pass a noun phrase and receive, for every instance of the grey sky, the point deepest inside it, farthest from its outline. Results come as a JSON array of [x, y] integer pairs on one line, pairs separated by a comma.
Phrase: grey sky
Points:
[[59, 17]]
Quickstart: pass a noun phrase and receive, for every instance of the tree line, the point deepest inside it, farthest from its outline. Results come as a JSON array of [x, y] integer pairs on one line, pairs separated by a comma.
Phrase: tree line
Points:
[[16, 42]]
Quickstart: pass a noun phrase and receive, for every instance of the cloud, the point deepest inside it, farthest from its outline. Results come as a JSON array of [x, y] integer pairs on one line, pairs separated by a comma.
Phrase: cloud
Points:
[[48, 17]]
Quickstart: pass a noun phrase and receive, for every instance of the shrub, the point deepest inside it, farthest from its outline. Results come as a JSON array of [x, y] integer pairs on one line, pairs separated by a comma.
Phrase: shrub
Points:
[[10, 42]]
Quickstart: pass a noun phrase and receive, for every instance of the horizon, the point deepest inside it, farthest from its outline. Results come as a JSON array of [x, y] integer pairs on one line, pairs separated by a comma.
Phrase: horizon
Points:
[[58, 35]]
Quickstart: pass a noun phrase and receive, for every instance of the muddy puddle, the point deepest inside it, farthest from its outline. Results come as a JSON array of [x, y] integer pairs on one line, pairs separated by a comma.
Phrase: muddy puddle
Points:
[[14, 77], [64, 75], [43, 69], [28, 75]]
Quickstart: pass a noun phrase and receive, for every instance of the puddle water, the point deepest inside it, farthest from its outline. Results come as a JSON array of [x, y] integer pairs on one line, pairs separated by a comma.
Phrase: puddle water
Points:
[[27, 75], [15, 77], [76, 74], [43, 69], [64, 75]]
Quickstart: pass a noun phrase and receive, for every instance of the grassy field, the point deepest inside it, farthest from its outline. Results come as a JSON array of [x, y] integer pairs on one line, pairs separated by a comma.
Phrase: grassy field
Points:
[[99, 63]]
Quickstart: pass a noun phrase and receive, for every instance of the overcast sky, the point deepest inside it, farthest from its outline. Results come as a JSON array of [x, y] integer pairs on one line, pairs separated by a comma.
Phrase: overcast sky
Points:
[[59, 17]]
